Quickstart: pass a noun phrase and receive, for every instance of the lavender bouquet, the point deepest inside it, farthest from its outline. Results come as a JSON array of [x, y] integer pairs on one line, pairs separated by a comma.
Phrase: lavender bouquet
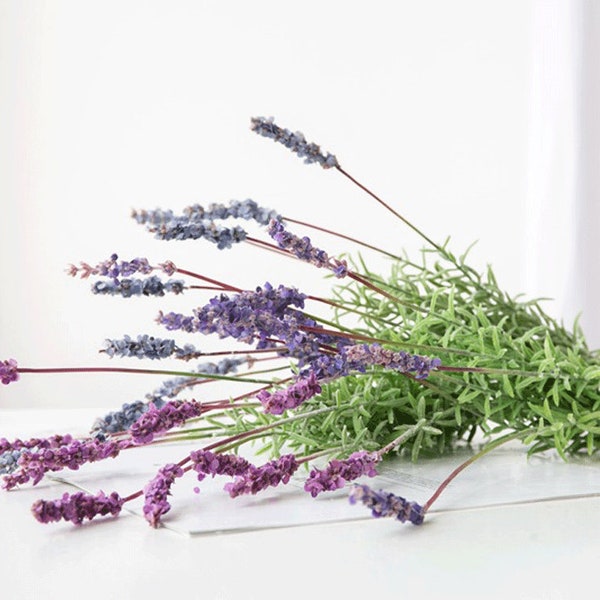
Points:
[[409, 363]]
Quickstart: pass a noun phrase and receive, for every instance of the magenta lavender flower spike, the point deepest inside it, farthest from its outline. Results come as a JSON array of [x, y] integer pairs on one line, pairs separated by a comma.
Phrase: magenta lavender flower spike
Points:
[[257, 479], [290, 397], [386, 504], [33, 465], [156, 421], [339, 472], [206, 463], [302, 248], [156, 492], [77, 507], [296, 142], [8, 371]]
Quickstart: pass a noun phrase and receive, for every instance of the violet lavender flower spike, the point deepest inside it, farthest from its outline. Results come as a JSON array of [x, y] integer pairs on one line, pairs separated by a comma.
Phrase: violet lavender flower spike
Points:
[[8, 371], [257, 479], [206, 463], [290, 397], [34, 465], [386, 504], [77, 507], [303, 249], [362, 355], [114, 268], [156, 421], [338, 472], [156, 492], [296, 142]]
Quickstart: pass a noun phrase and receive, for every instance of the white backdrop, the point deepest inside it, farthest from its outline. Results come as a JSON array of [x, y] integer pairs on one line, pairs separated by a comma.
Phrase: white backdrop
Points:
[[440, 107]]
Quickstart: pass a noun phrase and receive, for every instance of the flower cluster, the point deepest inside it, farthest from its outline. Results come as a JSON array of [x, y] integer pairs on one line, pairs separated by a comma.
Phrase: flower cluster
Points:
[[347, 388]]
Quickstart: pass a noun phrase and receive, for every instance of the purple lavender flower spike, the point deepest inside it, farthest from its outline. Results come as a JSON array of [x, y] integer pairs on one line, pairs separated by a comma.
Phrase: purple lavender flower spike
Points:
[[33, 465], [290, 397], [361, 355], [303, 249], [206, 463], [8, 371], [257, 479], [386, 504], [338, 472], [296, 142], [156, 421], [156, 492], [77, 507]]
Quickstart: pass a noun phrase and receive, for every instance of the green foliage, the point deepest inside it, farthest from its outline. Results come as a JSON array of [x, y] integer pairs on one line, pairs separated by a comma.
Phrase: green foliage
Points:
[[507, 366]]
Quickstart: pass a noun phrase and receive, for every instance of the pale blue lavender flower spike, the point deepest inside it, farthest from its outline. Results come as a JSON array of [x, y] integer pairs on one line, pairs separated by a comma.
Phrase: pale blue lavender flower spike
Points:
[[296, 142], [146, 346], [151, 286], [122, 420], [8, 461], [198, 222], [115, 268]]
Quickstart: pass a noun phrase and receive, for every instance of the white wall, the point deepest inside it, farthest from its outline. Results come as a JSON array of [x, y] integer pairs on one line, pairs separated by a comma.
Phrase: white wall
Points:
[[105, 106]]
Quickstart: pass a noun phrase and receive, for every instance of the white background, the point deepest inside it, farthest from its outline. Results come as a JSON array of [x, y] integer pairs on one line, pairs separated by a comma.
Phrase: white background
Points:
[[464, 115]]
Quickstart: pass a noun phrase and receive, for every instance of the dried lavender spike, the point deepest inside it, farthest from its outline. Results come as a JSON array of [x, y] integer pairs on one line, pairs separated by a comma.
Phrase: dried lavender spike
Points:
[[296, 142]]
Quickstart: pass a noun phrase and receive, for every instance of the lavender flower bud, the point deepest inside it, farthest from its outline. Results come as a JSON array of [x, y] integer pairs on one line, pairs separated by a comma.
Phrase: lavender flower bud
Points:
[[8, 371], [77, 507], [385, 504], [296, 142]]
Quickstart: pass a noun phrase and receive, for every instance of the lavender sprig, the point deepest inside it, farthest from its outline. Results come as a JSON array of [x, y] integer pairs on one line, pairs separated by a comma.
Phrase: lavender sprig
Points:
[[156, 492], [77, 507], [256, 479], [386, 504], [296, 142], [127, 288], [339, 472], [303, 249]]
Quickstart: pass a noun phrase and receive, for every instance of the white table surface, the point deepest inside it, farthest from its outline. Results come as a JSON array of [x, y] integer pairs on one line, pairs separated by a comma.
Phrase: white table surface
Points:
[[547, 549]]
